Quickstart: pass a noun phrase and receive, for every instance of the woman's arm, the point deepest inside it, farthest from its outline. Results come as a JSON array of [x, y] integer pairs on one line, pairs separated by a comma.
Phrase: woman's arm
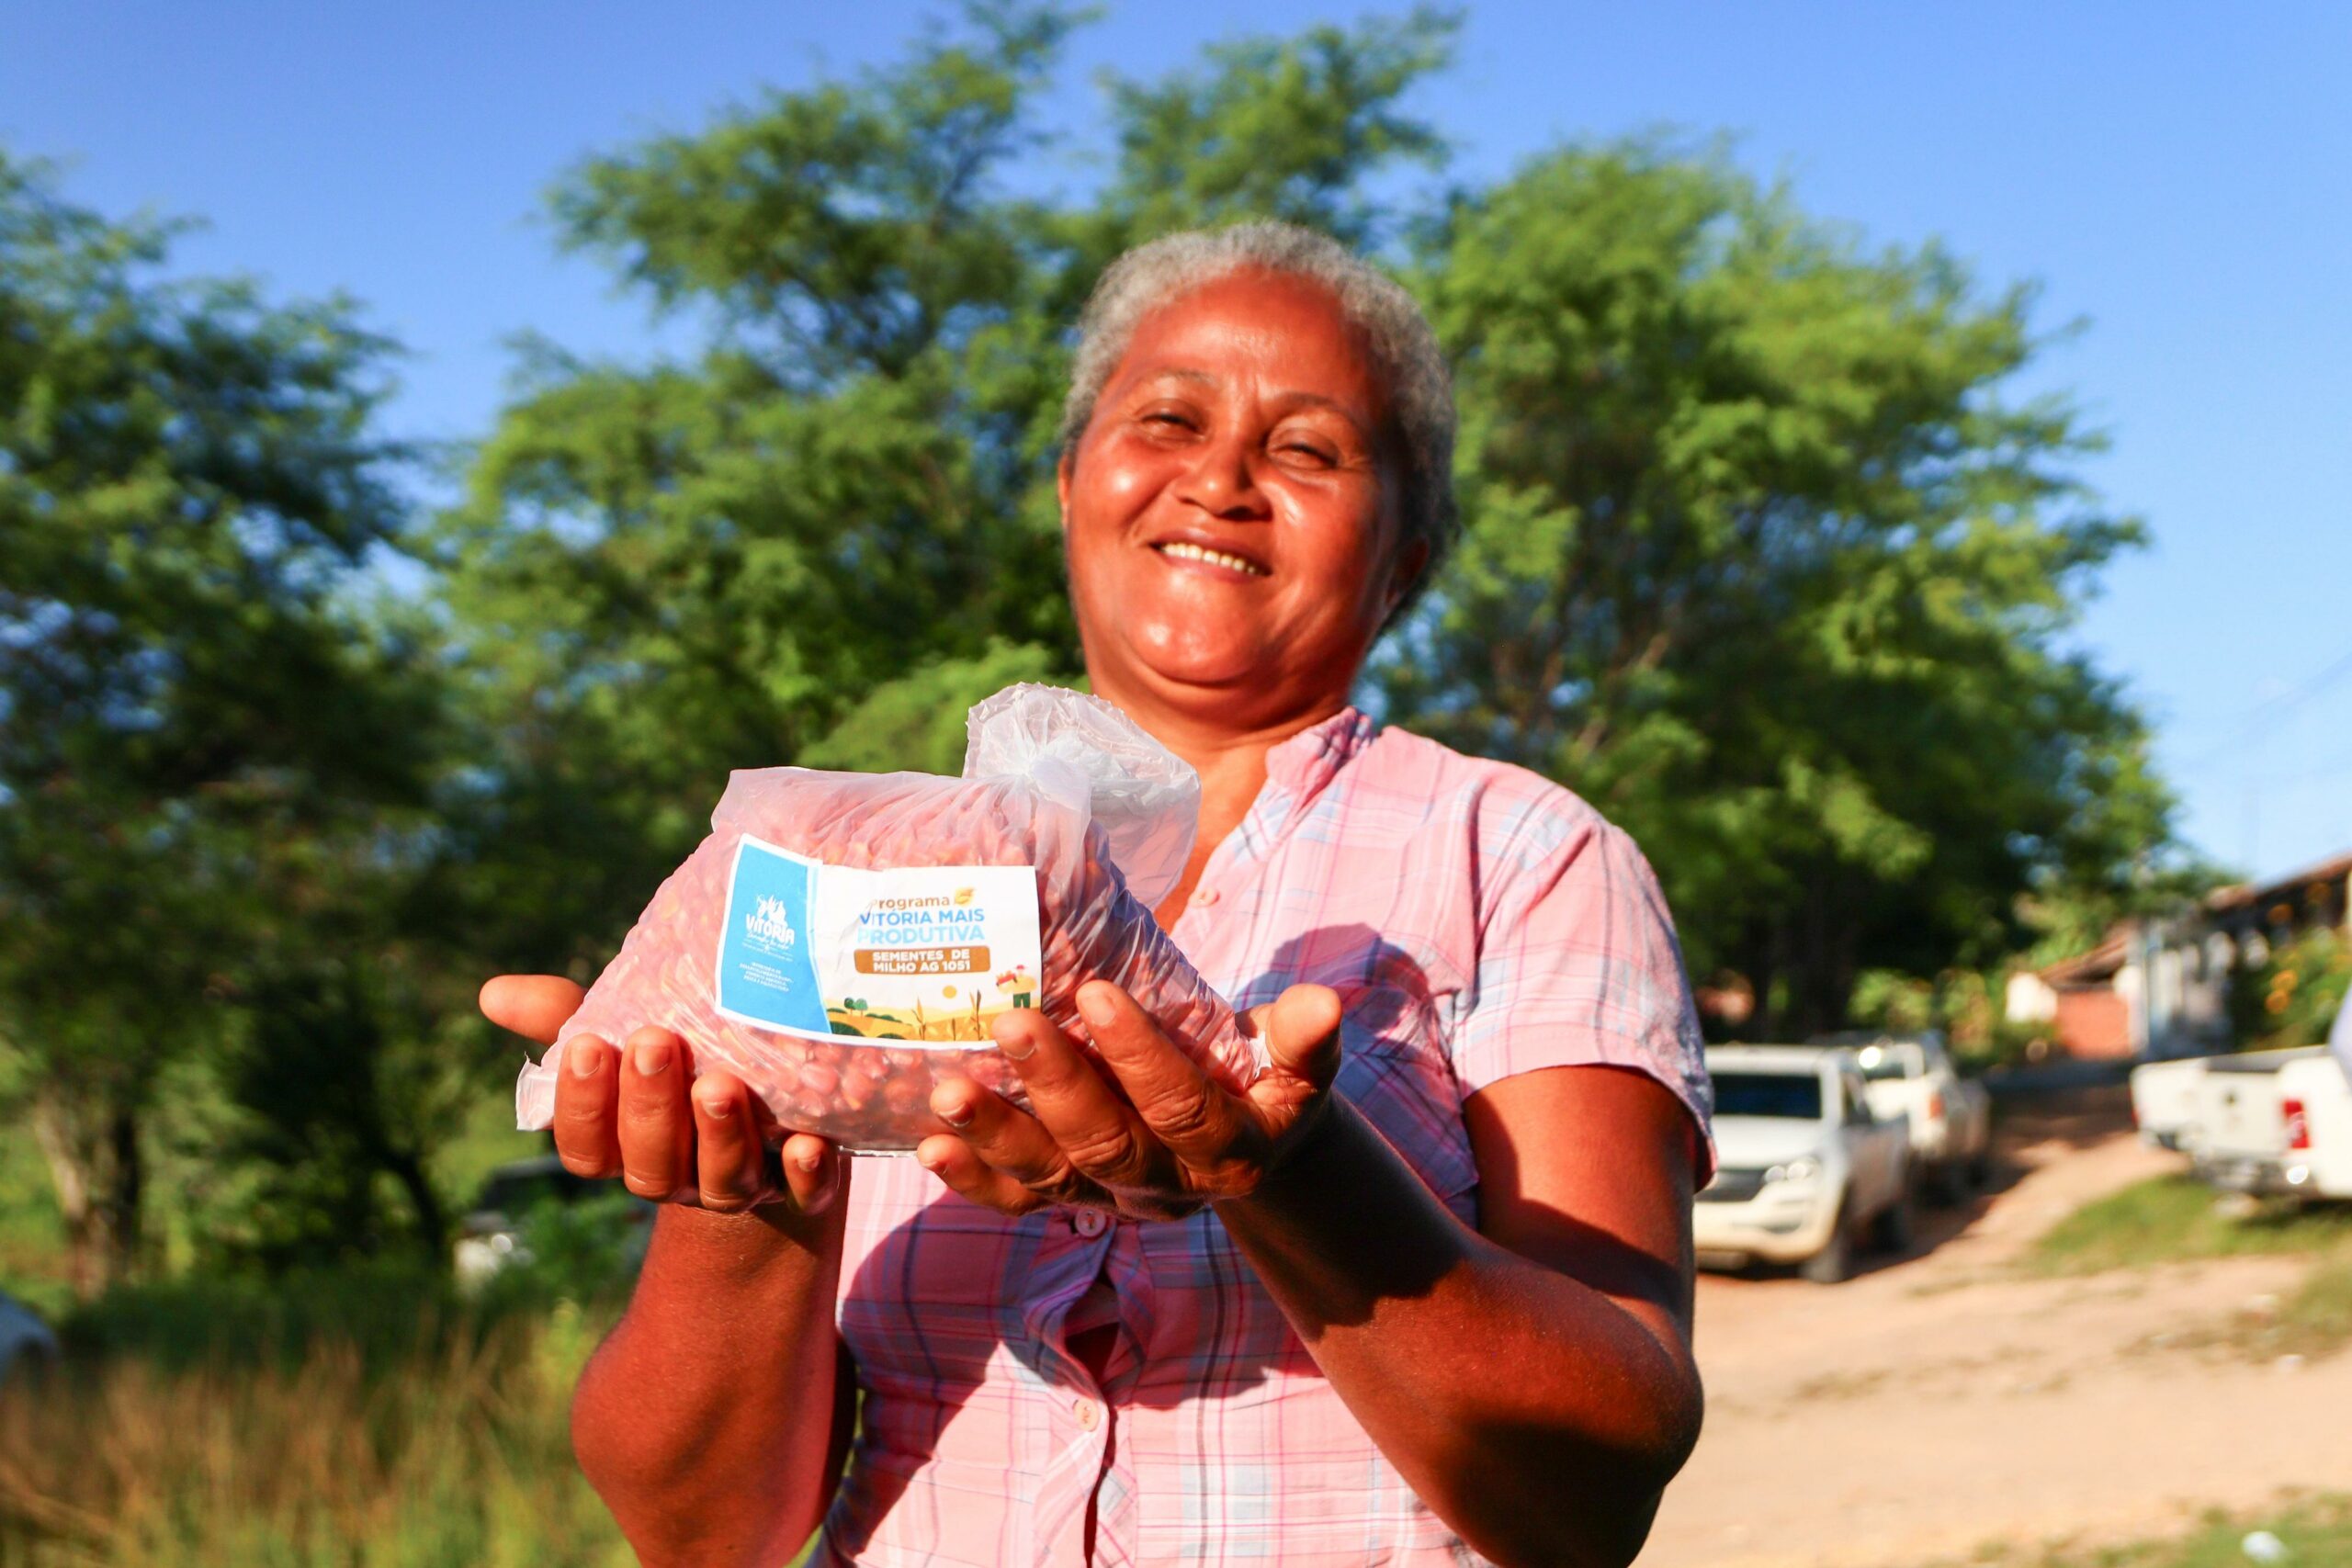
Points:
[[1533, 1380], [714, 1419]]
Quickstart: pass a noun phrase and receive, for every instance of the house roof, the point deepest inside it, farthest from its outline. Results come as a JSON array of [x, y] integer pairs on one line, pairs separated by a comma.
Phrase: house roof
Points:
[[2100, 965], [2089, 968], [2336, 868]]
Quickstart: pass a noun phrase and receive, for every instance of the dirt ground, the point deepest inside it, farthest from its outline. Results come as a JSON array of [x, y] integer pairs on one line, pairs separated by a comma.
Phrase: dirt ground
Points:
[[1939, 1403]]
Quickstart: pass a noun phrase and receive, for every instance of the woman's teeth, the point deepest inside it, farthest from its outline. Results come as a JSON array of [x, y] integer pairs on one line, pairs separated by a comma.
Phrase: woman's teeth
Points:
[[1184, 550]]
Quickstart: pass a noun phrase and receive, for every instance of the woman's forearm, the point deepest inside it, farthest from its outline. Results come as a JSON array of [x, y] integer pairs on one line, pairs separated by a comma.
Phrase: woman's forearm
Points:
[[706, 1419], [1538, 1416]]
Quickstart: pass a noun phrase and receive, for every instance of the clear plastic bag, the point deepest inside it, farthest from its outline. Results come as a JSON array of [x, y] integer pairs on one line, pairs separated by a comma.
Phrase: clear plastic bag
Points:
[[1054, 781]]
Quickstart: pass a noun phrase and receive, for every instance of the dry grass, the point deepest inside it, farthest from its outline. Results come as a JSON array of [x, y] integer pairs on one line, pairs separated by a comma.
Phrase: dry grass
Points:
[[456, 1454]]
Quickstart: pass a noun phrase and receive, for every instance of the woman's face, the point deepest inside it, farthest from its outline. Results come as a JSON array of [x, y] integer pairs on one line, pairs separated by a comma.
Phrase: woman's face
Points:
[[1229, 513]]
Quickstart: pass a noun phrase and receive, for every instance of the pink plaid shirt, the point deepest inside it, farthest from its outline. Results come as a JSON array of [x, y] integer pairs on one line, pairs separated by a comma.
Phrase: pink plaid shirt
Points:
[[1479, 921]]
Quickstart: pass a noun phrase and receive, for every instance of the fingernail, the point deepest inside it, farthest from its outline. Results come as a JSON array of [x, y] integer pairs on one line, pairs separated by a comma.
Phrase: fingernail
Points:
[[584, 1062], [809, 1159], [1017, 1044], [956, 1113], [715, 1102], [652, 1060], [1097, 1006], [929, 1162]]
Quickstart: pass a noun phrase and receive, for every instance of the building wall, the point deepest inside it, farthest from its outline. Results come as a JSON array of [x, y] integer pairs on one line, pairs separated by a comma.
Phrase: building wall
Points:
[[2095, 1024]]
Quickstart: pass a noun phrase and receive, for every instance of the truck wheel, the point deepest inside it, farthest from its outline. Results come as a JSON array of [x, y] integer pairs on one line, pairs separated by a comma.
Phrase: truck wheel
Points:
[[1834, 1264], [1891, 1230], [1947, 1183]]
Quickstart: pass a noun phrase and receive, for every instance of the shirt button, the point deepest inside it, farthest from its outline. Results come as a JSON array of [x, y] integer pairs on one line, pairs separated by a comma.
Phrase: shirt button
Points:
[[1089, 1414], [1205, 897], [1090, 1222]]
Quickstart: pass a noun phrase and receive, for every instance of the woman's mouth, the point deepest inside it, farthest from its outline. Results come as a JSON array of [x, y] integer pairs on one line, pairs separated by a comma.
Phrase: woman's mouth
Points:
[[1185, 549]]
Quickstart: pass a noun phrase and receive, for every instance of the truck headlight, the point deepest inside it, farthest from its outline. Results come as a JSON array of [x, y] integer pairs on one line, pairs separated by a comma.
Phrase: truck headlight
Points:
[[1805, 1167]]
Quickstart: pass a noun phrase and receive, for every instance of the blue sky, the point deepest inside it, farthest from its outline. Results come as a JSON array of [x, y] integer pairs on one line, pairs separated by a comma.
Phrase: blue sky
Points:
[[2179, 177]]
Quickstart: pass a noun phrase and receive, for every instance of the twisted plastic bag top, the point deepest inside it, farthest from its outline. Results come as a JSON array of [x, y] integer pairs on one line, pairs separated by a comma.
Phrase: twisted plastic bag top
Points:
[[1146, 798], [1054, 781]]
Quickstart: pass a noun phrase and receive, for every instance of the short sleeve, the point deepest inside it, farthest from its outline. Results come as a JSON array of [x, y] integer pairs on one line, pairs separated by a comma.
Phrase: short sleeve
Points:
[[1578, 964]]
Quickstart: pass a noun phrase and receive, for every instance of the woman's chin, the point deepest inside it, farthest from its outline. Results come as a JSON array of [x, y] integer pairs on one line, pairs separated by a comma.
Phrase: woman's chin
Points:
[[1192, 661]]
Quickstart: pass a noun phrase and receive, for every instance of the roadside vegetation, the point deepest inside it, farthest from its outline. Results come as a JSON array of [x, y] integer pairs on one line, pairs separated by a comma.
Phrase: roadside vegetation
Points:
[[2307, 1530], [2176, 1219], [364, 1416], [2173, 1219]]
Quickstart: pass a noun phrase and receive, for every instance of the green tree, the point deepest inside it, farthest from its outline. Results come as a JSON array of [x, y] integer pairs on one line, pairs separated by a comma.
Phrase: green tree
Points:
[[195, 728], [1760, 557], [2293, 996], [832, 528]]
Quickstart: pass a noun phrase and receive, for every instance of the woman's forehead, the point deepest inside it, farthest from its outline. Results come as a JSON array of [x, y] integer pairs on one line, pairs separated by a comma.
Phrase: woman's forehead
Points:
[[1287, 335]]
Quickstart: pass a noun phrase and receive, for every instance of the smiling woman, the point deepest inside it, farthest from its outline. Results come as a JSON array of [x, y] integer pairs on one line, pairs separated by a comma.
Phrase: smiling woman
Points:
[[1422, 1293]]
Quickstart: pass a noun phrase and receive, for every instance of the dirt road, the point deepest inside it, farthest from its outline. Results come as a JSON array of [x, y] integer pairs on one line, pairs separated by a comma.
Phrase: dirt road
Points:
[[1939, 1403]]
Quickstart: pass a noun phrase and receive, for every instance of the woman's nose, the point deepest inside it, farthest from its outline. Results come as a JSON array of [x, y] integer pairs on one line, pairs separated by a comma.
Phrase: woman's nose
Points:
[[1223, 481]]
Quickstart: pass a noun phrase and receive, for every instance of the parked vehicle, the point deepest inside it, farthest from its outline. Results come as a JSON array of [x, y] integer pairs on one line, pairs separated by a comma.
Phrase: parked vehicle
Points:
[[2165, 1100], [2275, 1123], [1810, 1174], [27, 1347], [489, 1236], [1910, 1077]]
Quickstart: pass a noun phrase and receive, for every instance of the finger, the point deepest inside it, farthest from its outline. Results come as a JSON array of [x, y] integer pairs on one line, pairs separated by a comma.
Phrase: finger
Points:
[[533, 1006], [585, 1090], [812, 1171], [655, 1126], [1182, 1107], [1010, 1141], [1099, 1132], [1301, 1030], [964, 1172], [730, 1165]]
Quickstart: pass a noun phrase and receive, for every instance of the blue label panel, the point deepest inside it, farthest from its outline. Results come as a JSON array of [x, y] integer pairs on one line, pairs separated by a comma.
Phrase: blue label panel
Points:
[[767, 973]]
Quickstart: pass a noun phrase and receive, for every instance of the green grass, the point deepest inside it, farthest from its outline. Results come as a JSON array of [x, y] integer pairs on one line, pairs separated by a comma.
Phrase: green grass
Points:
[[2315, 1320], [2314, 1530], [2172, 1219]]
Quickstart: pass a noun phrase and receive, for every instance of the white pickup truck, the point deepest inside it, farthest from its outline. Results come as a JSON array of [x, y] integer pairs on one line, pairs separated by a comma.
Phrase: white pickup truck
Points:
[[2164, 1101], [2275, 1123], [1911, 1079], [1810, 1174]]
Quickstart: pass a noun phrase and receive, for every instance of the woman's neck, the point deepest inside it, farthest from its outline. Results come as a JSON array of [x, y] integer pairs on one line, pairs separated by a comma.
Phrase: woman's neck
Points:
[[1232, 766]]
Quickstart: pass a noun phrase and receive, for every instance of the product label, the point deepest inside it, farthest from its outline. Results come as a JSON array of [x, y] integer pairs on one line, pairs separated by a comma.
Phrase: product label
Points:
[[926, 956]]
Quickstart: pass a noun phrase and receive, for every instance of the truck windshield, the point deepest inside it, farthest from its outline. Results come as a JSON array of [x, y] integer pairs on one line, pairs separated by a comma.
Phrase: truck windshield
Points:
[[1794, 1096]]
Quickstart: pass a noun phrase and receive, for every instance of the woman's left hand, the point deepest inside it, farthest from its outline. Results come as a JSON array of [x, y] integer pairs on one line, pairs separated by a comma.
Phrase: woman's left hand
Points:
[[1177, 1140]]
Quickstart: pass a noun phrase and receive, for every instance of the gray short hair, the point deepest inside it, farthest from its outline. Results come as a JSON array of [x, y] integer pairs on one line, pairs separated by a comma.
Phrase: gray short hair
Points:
[[1404, 350]]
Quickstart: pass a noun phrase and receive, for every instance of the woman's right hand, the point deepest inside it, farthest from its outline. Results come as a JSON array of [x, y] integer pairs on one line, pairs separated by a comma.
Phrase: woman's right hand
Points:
[[641, 1114]]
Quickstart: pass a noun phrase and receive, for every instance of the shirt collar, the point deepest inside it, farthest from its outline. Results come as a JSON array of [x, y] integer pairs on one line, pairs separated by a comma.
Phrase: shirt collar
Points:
[[1301, 765]]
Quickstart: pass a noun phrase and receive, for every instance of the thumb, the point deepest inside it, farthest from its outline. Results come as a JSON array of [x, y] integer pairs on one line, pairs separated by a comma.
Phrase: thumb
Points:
[[533, 1006], [1301, 1030]]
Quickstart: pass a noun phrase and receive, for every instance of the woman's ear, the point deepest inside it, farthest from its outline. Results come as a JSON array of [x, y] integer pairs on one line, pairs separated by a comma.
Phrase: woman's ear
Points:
[[1061, 483]]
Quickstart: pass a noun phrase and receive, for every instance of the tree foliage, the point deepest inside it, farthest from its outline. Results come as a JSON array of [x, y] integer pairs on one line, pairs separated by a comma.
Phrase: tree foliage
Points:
[[817, 538], [198, 736], [1760, 557]]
